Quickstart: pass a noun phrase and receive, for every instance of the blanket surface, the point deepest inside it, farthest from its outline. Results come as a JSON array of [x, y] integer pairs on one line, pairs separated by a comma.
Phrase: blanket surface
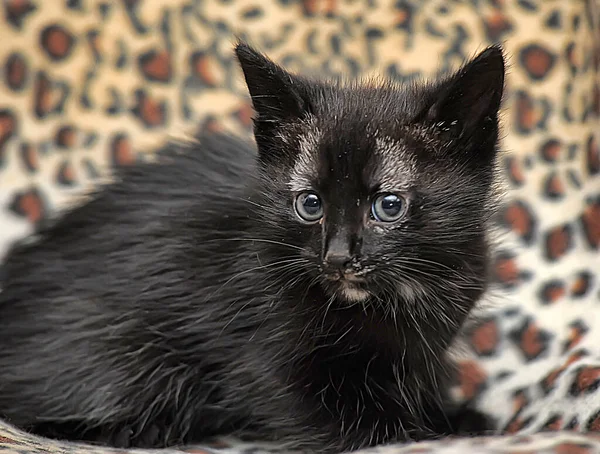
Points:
[[86, 85]]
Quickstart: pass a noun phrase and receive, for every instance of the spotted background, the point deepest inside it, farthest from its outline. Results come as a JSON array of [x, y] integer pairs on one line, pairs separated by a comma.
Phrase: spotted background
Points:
[[88, 85]]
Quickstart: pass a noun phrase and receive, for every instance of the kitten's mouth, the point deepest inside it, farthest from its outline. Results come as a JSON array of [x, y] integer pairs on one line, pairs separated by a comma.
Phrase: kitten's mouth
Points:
[[349, 286], [345, 277]]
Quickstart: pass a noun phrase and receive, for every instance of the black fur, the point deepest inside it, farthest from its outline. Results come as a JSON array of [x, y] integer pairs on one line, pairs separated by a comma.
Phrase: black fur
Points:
[[187, 299]]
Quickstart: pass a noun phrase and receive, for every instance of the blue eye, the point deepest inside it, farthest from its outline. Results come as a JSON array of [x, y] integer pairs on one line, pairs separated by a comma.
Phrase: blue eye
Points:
[[309, 207], [388, 208]]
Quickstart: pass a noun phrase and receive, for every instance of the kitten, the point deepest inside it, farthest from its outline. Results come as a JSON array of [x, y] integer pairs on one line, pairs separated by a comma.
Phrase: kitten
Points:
[[307, 293]]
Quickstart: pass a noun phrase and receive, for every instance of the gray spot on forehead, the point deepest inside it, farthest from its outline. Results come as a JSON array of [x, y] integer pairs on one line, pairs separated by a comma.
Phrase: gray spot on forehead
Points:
[[306, 158], [396, 166]]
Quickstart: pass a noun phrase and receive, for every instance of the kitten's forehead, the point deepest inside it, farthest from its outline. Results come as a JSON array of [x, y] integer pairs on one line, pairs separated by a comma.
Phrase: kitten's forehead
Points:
[[307, 156], [363, 153]]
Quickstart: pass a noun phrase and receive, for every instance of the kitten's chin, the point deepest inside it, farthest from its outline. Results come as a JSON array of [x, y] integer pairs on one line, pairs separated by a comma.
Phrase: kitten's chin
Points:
[[346, 287], [352, 293]]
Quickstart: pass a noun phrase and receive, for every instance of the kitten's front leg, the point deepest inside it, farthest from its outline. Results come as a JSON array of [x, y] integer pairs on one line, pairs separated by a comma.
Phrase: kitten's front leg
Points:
[[466, 421], [390, 419], [152, 436]]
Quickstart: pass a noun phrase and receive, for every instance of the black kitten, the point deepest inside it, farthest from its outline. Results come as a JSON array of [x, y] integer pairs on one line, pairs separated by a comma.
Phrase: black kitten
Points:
[[306, 295]]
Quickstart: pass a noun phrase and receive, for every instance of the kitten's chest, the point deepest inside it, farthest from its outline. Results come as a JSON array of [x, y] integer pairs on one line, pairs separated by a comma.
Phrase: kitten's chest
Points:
[[358, 394], [344, 329]]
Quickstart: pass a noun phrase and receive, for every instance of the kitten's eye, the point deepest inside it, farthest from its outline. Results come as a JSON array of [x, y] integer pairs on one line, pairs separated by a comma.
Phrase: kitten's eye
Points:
[[388, 208], [309, 207]]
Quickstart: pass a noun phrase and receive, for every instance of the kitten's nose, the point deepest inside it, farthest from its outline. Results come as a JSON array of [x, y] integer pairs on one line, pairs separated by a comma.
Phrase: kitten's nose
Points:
[[338, 259], [339, 251]]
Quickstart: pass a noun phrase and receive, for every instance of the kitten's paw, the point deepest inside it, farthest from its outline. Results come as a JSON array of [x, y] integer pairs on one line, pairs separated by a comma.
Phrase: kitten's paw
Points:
[[459, 421], [151, 437], [470, 422], [128, 436], [119, 438]]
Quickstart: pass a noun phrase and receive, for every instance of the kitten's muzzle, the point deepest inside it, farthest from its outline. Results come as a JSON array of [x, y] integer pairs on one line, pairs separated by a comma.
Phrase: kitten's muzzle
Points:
[[342, 267], [347, 275], [337, 260], [340, 258]]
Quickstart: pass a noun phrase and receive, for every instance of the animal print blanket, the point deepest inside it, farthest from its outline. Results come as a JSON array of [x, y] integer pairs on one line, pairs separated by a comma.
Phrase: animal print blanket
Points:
[[87, 84]]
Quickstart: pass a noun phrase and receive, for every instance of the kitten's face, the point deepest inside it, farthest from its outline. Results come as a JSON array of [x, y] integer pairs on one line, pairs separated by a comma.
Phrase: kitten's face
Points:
[[375, 214], [354, 197], [380, 192]]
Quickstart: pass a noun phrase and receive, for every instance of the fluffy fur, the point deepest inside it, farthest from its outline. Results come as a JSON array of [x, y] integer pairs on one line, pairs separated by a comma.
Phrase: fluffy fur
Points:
[[187, 299]]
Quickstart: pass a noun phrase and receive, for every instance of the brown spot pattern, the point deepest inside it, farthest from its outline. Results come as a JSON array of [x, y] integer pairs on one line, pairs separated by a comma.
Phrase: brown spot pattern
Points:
[[517, 424], [29, 204], [573, 424], [156, 66], [66, 137], [520, 401], [472, 379], [57, 41], [577, 331], [551, 150], [532, 341], [582, 284], [66, 174], [530, 113], [8, 127], [596, 100], [554, 188], [593, 423], [537, 61], [43, 99], [212, 125], [549, 381], [593, 156], [497, 24], [485, 338], [554, 423], [590, 221], [514, 169], [572, 448], [16, 72], [17, 10], [49, 97], [586, 381], [29, 157], [518, 217], [552, 291], [151, 112], [121, 151], [506, 270], [203, 68], [557, 242]]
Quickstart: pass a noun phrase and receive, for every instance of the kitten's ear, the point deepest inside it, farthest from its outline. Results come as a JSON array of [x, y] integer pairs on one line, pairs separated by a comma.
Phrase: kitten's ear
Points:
[[470, 96], [272, 89]]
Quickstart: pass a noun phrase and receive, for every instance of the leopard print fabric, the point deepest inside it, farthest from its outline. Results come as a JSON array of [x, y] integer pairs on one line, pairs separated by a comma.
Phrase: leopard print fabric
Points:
[[89, 85]]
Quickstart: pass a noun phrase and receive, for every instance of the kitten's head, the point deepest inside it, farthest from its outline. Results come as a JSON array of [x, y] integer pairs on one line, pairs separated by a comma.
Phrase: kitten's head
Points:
[[381, 191]]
